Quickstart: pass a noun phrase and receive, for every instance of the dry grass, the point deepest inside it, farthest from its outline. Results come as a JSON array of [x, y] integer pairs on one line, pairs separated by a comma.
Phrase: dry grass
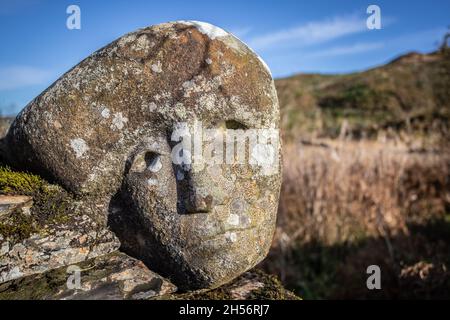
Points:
[[343, 193], [338, 192]]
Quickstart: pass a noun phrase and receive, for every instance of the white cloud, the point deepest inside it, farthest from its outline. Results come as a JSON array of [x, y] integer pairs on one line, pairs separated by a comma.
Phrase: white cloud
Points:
[[240, 32], [312, 32], [15, 77], [347, 50]]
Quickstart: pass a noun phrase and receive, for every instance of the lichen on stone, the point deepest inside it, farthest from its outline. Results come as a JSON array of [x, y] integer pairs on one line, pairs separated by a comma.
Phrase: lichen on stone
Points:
[[111, 106], [112, 276]]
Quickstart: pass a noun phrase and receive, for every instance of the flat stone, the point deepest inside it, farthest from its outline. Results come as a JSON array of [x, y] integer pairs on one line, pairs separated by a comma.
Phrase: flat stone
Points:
[[53, 247], [115, 276], [11, 203]]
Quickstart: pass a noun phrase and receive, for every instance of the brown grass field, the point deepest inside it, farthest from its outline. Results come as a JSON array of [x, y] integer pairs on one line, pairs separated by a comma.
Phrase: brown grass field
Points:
[[366, 181], [348, 204]]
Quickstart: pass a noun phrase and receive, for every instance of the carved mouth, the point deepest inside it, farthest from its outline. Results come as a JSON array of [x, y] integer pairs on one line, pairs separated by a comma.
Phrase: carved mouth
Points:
[[225, 232]]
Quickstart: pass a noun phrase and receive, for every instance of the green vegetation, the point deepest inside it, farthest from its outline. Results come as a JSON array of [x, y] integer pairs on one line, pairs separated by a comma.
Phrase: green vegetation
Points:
[[19, 183], [356, 96], [51, 204], [18, 227]]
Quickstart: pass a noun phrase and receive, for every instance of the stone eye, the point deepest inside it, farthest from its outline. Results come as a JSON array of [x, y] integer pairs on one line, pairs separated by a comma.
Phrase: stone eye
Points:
[[148, 160], [235, 125], [153, 161]]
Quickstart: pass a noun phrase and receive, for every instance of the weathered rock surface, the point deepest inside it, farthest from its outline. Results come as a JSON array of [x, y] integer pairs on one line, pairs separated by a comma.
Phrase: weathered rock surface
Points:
[[106, 131], [5, 123], [118, 276], [115, 276], [11, 203], [47, 228], [251, 285], [83, 129], [52, 247]]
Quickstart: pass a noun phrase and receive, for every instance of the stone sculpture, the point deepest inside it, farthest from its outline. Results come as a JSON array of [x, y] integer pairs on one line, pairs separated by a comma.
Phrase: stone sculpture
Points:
[[116, 130]]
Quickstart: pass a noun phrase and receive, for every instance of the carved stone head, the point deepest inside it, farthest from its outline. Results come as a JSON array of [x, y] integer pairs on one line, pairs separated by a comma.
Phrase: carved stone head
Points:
[[175, 128]]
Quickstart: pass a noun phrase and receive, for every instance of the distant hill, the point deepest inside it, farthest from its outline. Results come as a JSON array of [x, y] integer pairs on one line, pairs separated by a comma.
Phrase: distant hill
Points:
[[5, 122], [408, 96]]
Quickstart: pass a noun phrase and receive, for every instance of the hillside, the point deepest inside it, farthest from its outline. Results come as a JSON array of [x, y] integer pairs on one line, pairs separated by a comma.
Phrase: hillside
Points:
[[5, 122], [409, 96]]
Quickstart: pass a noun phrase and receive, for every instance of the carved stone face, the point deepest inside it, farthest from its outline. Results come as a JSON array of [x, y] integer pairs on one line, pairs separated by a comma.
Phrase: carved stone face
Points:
[[204, 221], [111, 130]]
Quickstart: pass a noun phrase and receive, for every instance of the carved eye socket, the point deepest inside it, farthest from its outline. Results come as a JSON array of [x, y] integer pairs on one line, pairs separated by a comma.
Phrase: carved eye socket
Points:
[[149, 160], [153, 161], [235, 125]]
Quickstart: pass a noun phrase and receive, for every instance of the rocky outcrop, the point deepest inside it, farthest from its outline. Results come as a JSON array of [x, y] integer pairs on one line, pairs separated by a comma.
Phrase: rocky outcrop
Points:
[[42, 227], [75, 238], [117, 276], [114, 276], [251, 285]]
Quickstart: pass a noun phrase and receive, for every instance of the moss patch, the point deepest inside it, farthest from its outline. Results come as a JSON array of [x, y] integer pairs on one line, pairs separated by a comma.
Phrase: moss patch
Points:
[[272, 290], [17, 227], [52, 205], [19, 183]]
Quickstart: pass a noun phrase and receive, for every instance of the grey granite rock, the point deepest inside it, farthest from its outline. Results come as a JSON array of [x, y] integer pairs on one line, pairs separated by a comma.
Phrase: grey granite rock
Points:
[[11, 203]]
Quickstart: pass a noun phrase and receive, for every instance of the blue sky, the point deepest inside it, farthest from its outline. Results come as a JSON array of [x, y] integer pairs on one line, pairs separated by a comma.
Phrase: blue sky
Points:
[[292, 36]]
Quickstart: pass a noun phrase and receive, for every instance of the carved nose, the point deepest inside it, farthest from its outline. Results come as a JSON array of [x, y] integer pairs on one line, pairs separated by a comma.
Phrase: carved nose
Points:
[[199, 198], [198, 202]]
